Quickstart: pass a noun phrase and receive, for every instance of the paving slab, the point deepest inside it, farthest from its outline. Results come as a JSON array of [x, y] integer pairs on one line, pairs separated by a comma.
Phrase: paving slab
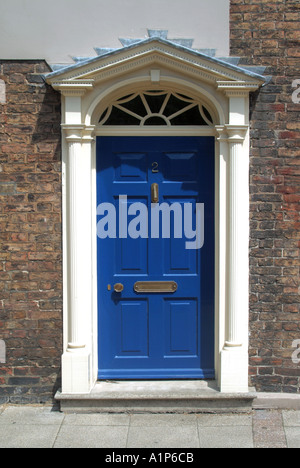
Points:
[[291, 418], [268, 429], [163, 420], [226, 437], [28, 436], [220, 420], [163, 437], [97, 420], [30, 415], [291, 421], [92, 437], [292, 437]]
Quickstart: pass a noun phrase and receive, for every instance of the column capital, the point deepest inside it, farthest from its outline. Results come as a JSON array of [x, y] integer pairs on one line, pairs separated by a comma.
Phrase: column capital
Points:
[[232, 133], [236, 133], [78, 133]]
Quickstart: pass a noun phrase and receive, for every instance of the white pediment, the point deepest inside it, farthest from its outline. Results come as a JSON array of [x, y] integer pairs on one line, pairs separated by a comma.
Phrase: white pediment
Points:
[[154, 52]]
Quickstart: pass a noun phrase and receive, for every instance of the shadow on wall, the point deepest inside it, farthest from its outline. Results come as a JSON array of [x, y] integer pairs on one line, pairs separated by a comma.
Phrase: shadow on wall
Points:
[[47, 132]]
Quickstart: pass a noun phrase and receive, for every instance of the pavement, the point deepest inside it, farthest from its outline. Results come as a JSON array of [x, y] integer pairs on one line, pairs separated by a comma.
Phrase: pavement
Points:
[[44, 427]]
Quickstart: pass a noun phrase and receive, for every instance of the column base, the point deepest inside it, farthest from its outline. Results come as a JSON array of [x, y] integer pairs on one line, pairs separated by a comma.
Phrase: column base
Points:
[[234, 370], [76, 371]]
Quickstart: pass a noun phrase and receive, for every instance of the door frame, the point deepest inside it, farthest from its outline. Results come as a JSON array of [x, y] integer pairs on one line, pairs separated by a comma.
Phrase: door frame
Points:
[[85, 88], [231, 361], [231, 357]]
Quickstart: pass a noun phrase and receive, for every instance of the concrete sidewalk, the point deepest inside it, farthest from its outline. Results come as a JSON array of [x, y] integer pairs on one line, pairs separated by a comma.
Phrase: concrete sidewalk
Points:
[[42, 427]]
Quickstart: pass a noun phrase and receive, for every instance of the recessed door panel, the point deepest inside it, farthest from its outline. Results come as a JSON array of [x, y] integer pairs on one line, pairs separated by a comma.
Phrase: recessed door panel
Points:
[[130, 167], [134, 328], [181, 328], [127, 263]]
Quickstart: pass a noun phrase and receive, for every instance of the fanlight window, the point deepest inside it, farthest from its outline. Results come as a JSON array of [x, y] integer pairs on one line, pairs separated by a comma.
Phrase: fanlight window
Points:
[[156, 108]]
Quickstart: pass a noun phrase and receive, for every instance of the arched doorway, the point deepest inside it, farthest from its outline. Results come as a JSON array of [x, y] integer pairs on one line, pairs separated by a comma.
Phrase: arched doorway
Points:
[[96, 93]]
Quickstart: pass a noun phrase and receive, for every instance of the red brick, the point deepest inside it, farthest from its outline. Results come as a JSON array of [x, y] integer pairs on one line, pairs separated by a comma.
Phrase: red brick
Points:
[[26, 210], [273, 166]]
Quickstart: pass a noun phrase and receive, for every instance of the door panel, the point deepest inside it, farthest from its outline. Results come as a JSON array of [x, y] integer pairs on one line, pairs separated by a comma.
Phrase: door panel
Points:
[[127, 263], [162, 334], [134, 328], [181, 322]]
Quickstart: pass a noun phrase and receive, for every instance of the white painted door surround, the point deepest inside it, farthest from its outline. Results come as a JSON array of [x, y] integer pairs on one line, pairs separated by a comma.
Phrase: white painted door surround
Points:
[[87, 90]]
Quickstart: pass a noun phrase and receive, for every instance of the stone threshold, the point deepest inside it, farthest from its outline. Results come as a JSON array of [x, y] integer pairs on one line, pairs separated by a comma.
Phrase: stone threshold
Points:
[[188, 396]]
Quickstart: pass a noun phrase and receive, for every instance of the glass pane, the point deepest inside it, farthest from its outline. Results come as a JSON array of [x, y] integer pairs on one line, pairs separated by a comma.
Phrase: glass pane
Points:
[[190, 117], [207, 114], [118, 117], [155, 102], [135, 105], [103, 115], [174, 105], [156, 120]]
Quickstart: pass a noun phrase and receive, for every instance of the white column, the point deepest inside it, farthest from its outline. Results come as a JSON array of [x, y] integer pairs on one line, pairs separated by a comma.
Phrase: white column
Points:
[[75, 239], [76, 360], [234, 356], [237, 236], [222, 155]]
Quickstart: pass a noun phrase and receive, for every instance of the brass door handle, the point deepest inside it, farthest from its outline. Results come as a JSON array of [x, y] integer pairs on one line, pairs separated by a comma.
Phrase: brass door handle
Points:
[[154, 193], [118, 287]]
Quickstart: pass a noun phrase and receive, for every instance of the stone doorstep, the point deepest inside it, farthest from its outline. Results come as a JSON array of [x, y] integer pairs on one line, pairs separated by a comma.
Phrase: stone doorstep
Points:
[[156, 396]]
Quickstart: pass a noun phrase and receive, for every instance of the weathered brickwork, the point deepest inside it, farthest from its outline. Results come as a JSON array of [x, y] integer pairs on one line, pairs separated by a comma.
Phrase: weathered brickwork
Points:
[[30, 234], [267, 32]]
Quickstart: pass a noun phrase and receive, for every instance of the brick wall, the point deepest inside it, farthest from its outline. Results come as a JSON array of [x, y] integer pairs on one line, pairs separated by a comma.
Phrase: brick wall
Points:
[[267, 32], [30, 233]]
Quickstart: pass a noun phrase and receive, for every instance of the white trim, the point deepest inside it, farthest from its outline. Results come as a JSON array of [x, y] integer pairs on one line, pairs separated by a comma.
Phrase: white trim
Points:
[[82, 101], [155, 131]]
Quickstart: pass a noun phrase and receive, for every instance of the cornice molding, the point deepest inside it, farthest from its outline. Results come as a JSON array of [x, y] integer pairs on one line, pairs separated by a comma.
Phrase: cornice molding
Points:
[[84, 75], [73, 87], [238, 88]]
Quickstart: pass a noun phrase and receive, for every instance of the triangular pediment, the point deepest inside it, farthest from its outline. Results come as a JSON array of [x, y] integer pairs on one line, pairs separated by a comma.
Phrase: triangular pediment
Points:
[[153, 52]]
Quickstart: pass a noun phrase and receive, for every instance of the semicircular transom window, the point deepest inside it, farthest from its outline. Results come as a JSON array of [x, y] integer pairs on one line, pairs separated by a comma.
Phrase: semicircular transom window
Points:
[[156, 108]]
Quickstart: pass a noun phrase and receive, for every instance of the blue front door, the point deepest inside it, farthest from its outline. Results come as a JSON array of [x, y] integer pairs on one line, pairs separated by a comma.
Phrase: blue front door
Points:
[[159, 324]]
